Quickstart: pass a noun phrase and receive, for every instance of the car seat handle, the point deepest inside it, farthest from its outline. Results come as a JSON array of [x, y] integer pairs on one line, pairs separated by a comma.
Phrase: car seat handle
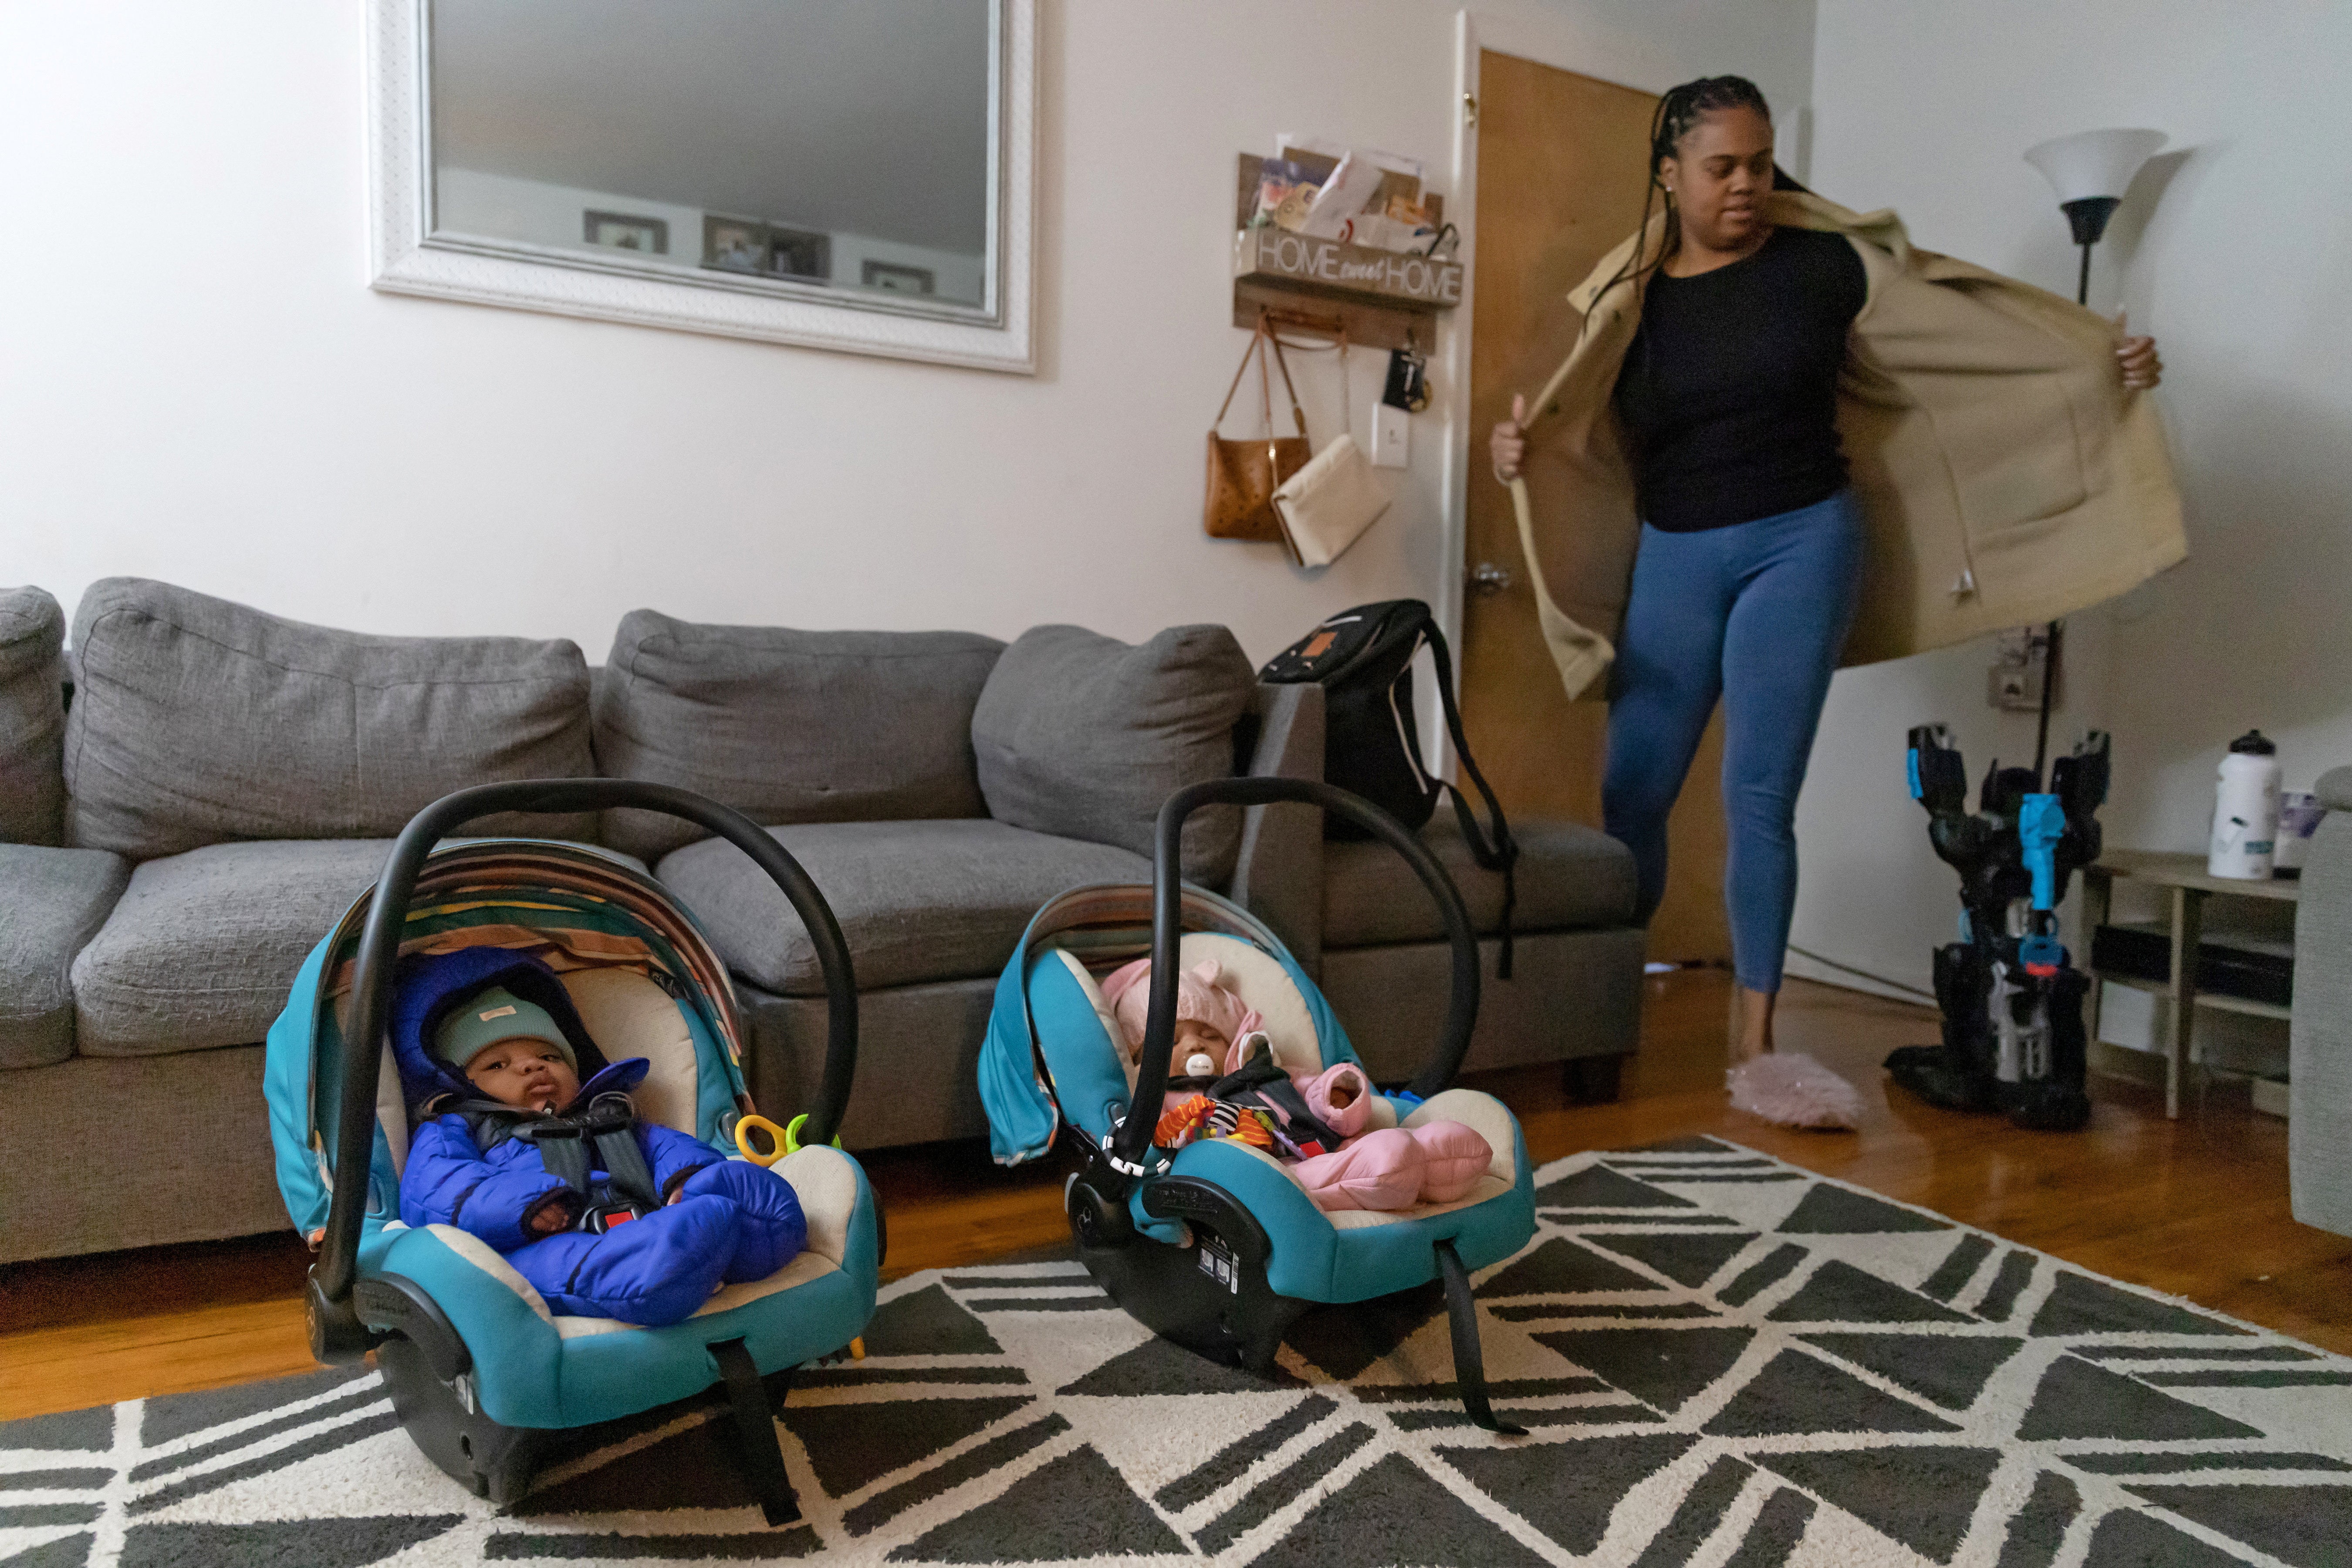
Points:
[[379, 950], [1134, 1135]]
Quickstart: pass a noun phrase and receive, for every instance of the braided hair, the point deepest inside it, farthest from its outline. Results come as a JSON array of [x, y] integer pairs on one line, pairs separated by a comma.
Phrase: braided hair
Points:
[[1682, 108]]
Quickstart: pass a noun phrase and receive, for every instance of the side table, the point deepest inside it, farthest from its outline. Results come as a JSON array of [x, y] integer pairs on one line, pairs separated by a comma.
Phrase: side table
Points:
[[2191, 885]]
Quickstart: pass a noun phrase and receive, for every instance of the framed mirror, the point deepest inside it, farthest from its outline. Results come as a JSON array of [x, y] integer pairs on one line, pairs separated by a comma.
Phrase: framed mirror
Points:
[[853, 174]]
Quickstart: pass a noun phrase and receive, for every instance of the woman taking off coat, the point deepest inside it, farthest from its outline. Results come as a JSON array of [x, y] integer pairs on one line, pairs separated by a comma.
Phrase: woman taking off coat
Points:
[[1780, 436]]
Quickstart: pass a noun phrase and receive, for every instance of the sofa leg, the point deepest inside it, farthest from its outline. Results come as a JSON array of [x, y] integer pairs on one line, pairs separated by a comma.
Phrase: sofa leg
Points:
[[1593, 1080]]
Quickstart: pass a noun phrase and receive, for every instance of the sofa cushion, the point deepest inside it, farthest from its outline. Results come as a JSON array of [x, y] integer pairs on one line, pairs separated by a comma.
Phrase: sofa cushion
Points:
[[32, 717], [51, 901], [916, 901], [203, 947], [197, 720], [1084, 736], [1571, 877], [790, 726]]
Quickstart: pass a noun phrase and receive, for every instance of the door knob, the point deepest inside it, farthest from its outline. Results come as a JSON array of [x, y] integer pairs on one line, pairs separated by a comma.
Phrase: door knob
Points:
[[1488, 579]]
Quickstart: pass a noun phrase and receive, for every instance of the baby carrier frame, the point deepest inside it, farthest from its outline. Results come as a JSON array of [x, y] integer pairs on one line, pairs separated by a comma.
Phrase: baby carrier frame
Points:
[[1212, 1247], [484, 1423]]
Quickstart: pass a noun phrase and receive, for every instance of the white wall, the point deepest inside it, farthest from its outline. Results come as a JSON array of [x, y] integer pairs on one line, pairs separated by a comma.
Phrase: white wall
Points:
[[204, 390], [2235, 250]]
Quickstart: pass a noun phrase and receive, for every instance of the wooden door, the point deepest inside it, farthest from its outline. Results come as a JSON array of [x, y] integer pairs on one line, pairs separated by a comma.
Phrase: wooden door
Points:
[[1562, 160]]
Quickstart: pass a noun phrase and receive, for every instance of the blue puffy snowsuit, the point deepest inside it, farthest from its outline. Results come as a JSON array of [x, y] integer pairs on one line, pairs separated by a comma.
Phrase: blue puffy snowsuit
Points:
[[735, 1222]]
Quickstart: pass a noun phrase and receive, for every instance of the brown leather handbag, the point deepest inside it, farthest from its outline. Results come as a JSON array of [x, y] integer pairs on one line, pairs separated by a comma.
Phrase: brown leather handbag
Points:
[[1242, 474]]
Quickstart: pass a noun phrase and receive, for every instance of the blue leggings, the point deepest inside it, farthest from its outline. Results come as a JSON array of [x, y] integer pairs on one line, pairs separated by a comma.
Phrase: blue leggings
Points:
[[1755, 613]]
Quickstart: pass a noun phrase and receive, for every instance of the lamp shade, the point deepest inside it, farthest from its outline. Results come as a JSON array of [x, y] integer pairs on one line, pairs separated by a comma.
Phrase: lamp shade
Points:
[[2090, 171]]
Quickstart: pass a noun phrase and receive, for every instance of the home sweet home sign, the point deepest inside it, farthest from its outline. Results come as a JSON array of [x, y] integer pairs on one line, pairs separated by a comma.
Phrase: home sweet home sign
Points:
[[1279, 255]]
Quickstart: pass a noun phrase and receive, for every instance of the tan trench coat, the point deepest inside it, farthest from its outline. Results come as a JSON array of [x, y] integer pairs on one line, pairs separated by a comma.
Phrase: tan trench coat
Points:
[[2004, 474]]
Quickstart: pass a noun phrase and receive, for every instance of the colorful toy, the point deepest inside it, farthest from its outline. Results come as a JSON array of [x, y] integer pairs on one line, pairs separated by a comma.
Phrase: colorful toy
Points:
[[2013, 1002]]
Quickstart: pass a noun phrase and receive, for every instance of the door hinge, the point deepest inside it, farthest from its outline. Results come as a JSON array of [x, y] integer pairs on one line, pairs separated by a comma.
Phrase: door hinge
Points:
[[1469, 108]]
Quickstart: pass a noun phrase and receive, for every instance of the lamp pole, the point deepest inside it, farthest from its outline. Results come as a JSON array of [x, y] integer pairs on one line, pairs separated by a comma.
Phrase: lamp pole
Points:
[[2090, 171], [2089, 215]]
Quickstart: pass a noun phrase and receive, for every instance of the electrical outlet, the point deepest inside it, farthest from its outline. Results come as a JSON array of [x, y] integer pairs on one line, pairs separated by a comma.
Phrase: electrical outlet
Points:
[[1391, 438], [2014, 687], [2021, 661]]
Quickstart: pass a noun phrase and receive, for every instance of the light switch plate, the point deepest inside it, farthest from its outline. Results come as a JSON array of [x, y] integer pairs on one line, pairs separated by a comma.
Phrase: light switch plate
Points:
[[1392, 439]]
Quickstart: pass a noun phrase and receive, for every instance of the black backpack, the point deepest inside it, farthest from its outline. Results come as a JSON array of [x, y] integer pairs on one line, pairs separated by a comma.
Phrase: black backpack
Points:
[[1362, 658]]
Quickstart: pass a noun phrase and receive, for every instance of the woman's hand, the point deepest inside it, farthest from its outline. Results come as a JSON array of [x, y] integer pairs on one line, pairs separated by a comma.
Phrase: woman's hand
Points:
[[1509, 442], [2142, 369]]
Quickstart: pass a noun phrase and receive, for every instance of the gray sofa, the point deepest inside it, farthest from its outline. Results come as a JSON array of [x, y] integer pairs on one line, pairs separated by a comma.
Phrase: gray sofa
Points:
[[2319, 1066], [223, 783]]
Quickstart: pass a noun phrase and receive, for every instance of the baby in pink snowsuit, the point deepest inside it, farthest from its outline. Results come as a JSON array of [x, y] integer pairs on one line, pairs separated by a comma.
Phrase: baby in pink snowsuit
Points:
[[1218, 1034]]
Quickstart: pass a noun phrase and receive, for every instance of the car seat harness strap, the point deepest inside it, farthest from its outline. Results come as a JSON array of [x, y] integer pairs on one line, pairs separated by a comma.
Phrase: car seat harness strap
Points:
[[605, 1125]]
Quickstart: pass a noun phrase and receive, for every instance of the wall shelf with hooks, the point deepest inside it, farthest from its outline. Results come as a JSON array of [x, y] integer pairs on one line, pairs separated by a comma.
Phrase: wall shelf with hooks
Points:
[[1380, 298]]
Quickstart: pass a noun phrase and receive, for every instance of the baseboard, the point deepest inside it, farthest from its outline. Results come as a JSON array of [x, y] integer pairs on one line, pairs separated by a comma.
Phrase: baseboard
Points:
[[1804, 968], [2143, 1068]]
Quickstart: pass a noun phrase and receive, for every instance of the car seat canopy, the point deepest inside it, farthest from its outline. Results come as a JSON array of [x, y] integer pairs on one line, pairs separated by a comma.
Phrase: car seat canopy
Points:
[[637, 970]]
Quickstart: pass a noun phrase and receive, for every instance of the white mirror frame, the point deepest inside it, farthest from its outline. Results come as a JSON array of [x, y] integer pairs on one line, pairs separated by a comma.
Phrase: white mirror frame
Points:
[[406, 259]]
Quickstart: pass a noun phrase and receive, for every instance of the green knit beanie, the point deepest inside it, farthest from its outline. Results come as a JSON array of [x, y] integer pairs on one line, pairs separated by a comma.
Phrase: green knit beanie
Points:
[[493, 1014]]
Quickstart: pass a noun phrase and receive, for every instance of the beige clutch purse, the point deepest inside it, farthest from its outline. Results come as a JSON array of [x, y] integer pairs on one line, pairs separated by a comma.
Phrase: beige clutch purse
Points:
[[1326, 506]]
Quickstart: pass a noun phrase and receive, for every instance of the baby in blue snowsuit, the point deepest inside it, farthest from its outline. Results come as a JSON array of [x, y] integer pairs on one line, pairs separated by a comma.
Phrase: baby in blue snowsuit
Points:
[[490, 1044]]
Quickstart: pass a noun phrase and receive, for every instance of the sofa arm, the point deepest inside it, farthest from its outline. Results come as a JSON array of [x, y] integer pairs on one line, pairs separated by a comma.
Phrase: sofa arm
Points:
[[2319, 1056], [2335, 789], [1279, 874]]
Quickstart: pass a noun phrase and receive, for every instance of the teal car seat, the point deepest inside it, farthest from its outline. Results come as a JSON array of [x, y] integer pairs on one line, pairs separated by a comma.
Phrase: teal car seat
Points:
[[481, 1372], [1216, 1246]]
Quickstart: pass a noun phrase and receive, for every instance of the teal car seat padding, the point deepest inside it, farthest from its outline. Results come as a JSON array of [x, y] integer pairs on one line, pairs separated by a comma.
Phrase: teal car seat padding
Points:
[[1217, 1246], [420, 1287], [545, 1374], [1316, 1260]]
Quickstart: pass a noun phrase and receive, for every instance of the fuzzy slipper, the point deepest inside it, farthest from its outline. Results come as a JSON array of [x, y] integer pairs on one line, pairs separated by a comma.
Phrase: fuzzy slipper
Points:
[[1794, 1090]]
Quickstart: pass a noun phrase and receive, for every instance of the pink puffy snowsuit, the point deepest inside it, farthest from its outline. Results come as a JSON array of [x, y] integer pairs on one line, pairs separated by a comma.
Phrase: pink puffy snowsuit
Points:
[[1387, 1168]]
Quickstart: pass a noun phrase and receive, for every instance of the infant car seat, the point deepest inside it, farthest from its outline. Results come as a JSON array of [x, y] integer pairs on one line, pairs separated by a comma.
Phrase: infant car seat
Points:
[[1217, 1246], [481, 1372]]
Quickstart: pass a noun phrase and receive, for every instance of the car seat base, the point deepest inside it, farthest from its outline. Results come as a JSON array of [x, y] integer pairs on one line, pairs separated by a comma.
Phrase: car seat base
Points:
[[493, 1460], [1209, 1294]]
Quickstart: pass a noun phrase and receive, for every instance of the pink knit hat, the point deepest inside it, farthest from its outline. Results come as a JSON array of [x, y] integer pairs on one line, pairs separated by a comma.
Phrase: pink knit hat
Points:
[[1199, 995]]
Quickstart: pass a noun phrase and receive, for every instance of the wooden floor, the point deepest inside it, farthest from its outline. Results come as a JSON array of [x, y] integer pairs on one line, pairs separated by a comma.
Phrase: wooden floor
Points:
[[2196, 1207]]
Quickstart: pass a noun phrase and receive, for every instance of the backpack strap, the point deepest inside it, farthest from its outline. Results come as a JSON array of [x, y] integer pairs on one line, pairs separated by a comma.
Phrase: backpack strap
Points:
[[1496, 850]]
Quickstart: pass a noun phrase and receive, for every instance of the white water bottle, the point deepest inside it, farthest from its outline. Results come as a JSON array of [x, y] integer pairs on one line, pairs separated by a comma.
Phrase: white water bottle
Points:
[[2245, 811]]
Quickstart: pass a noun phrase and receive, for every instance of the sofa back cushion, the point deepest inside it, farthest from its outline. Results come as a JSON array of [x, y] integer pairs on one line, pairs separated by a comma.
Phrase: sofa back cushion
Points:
[[790, 726], [196, 720], [32, 716], [1084, 736]]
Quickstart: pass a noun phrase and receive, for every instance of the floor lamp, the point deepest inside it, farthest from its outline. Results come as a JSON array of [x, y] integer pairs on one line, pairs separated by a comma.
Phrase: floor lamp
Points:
[[2090, 171]]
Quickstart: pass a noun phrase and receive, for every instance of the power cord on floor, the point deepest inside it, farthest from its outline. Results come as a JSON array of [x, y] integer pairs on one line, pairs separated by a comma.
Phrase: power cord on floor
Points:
[[1926, 996]]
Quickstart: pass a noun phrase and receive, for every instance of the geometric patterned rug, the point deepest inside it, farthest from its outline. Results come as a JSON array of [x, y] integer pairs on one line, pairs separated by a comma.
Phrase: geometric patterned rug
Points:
[[1721, 1359]]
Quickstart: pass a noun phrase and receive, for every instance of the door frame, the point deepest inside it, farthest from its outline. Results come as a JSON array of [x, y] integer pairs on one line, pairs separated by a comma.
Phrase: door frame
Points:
[[1474, 32]]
